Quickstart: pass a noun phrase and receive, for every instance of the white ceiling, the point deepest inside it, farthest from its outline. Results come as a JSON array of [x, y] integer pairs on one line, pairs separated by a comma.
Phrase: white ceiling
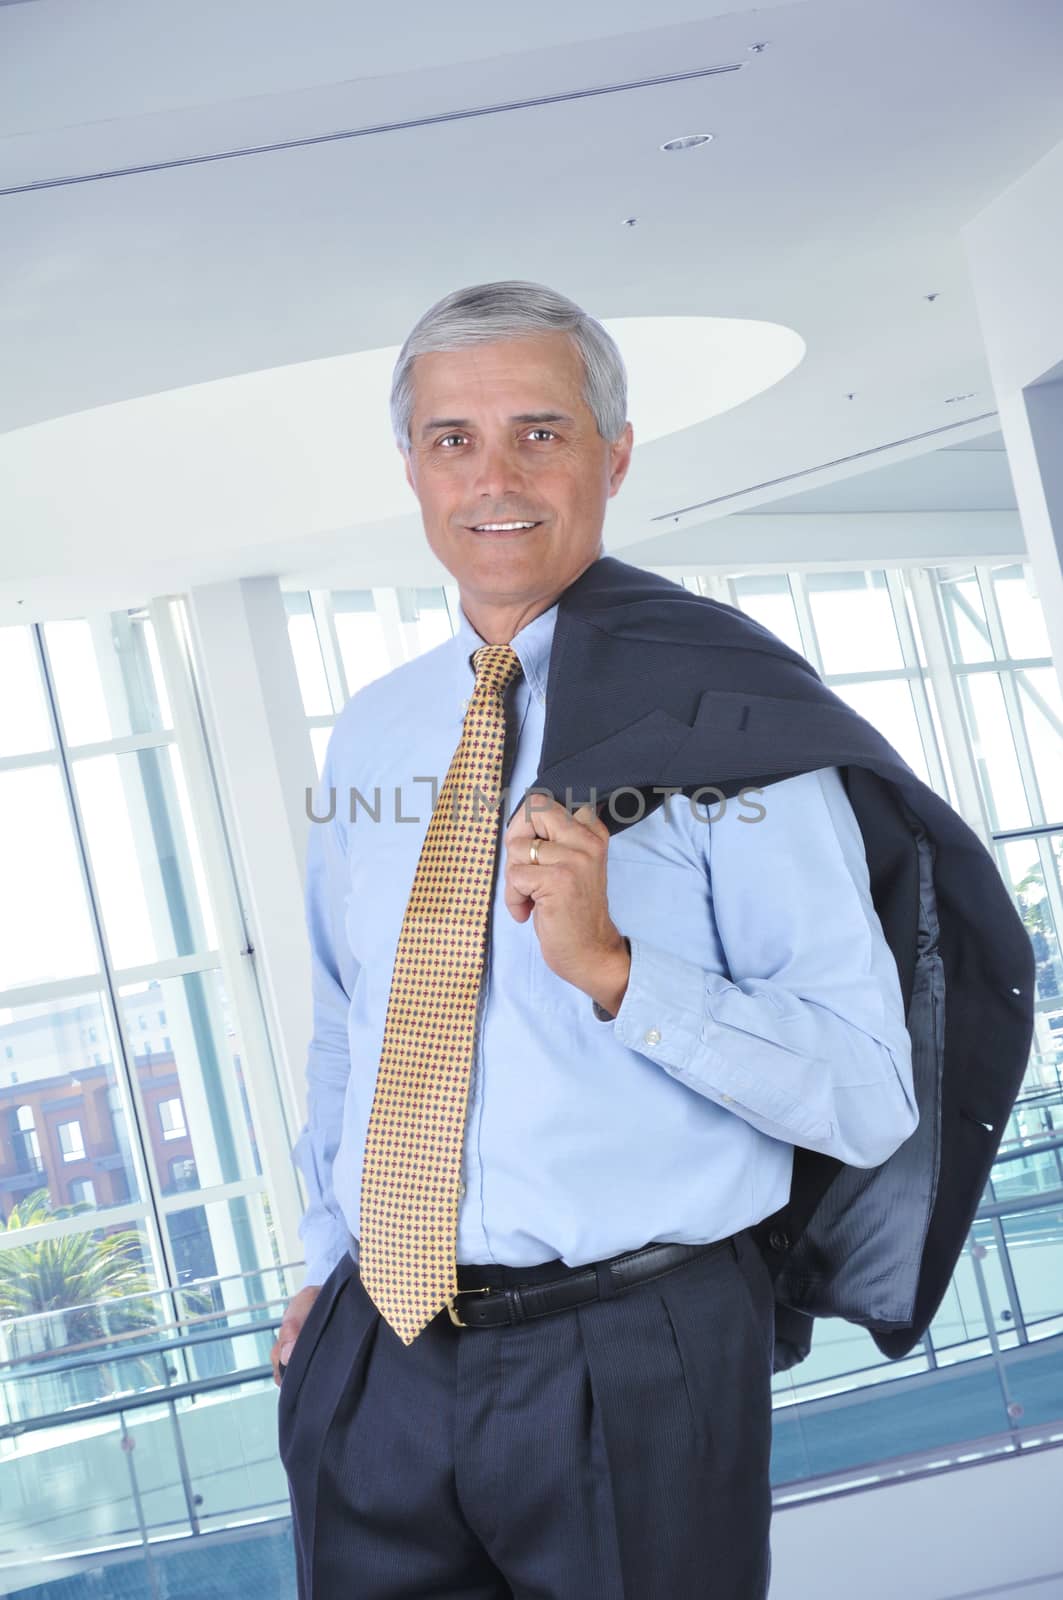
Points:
[[847, 156], [973, 476]]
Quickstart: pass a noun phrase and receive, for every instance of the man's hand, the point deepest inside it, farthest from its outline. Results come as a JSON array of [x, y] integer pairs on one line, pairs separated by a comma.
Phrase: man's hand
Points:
[[291, 1322], [565, 894]]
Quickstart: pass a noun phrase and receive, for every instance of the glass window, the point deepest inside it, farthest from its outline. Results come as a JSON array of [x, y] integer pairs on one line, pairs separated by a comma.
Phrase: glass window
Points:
[[993, 747], [183, 1173], [82, 1192], [306, 651], [52, 936], [887, 705], [209, 1240], [854, 622], [768, 600], [426, 621], [24, 724], [24, 1143], [1033, 870], [55, 1072], [172, 1119], [966, 628], [211, 1109], [107, 676], [362, 641], [1020, 611], [71, 1142], [105, 1286], [1041, 709], [145, 855]]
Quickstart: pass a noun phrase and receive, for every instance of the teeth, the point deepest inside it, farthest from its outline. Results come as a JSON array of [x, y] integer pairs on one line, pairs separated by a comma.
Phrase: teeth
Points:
[[501, 527]]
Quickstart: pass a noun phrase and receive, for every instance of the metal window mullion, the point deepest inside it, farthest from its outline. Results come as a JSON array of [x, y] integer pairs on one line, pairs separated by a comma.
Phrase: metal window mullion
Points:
[[183, 1199], [33, 994], [970, 802], [123, 744], [328, 641], [1050, 876], [33, 758], [125, 1056], [805, 621], [81, 1222], [452, 597], [1023, 755], [716, 586], [905, 674], [271, 1116], [898, 593], [170, 967], [386, 602], [1009, 688], [991, 611]]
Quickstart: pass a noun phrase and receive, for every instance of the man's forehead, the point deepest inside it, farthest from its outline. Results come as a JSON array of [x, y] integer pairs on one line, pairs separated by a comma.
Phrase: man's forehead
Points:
[[517, 362]]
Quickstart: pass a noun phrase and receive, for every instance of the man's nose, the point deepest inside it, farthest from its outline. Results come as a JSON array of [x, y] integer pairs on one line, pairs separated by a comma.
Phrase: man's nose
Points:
[[498, 472]]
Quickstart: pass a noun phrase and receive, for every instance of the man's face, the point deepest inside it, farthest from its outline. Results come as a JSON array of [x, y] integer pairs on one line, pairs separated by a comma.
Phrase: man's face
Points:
[[475, 457]]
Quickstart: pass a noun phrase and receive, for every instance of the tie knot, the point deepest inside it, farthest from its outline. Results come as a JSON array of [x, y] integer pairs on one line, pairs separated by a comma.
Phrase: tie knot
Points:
[[496, 666]]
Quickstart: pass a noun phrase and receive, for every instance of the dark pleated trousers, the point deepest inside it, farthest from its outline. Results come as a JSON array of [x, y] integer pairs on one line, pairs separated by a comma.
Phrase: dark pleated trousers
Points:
[[618, 1450]]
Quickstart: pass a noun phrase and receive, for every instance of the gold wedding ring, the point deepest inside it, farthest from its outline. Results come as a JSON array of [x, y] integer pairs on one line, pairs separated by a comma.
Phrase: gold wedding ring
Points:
[[533, 849]]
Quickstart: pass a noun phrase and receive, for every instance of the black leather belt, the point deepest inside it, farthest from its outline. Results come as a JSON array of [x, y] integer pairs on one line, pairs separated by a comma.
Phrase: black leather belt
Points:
[[493, 1307]]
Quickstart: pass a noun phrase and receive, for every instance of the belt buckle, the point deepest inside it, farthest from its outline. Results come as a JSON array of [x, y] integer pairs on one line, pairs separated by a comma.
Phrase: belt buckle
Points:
[[452, 1309]]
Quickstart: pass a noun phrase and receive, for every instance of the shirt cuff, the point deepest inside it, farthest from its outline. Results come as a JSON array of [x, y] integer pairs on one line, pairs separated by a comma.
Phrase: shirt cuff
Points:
[[662, 1011], [325, 1249]]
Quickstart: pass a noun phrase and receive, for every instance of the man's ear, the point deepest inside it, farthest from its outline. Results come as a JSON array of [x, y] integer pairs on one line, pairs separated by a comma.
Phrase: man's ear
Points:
[[405, 454], [620, 458]]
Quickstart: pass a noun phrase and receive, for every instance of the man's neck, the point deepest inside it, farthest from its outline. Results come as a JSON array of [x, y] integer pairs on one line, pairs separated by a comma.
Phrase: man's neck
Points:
[[498, 624]]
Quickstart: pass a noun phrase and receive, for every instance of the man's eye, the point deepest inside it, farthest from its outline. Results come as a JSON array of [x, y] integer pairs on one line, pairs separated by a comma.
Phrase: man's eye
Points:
[[448, 436]]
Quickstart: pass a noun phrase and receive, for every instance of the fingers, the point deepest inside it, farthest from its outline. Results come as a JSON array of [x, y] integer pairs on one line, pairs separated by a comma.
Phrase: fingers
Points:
[[290, 1328], [546, 818], [281, 1353]]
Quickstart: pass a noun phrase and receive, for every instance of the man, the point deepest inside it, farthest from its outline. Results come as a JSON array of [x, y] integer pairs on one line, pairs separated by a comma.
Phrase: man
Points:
[[533, 1355]]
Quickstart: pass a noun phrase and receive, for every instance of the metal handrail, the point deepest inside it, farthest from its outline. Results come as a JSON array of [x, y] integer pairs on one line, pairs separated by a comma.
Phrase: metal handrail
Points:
[[131, 1334], [36, 1369], [165, 1395]]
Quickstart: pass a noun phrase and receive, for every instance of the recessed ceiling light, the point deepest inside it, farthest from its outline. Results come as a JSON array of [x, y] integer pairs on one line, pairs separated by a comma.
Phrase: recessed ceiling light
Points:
[[687, 141]]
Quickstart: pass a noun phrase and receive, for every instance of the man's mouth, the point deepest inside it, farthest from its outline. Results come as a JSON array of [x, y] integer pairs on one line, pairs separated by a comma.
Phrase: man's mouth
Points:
[[502, 530]]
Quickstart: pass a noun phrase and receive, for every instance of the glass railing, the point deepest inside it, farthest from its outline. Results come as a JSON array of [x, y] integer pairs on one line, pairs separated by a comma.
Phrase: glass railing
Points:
[[142, 1445], [164, 1456]]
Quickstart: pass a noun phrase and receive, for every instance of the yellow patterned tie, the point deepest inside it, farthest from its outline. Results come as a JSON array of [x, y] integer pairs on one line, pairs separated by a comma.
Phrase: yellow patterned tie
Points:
[[412, 1164]]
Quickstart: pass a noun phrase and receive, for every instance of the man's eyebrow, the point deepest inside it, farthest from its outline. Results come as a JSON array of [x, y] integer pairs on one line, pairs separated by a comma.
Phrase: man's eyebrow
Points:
[[521, 416]]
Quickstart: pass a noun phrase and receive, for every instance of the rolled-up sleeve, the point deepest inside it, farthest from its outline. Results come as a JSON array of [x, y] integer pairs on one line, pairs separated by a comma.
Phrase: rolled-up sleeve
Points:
[[805, 1036]]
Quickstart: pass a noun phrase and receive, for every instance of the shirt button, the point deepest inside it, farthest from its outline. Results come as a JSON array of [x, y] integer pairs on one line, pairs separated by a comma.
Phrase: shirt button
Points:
[[465, 705], [652, 1036], [727, 1100], [461, 1188]]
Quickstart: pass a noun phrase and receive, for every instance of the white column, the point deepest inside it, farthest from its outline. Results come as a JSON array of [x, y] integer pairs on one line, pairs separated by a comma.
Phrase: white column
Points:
[[1015, 252]]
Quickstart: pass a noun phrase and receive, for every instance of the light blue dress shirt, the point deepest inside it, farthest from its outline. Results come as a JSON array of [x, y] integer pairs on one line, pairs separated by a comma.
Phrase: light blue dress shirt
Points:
[[763, 1007]]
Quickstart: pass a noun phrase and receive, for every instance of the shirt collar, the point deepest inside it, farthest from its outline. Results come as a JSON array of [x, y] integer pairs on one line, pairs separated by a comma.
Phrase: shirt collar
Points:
[[532, 644]]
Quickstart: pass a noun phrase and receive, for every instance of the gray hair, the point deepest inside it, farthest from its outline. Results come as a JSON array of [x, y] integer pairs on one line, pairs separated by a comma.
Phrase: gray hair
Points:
[[513, 308]]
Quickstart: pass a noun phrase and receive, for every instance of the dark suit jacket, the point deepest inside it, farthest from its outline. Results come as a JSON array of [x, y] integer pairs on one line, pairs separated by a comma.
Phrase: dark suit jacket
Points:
[[651, 686]]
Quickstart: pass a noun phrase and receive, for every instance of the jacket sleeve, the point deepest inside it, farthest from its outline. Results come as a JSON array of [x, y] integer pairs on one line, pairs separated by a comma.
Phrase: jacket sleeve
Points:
[[334, 968], [806, 1037]]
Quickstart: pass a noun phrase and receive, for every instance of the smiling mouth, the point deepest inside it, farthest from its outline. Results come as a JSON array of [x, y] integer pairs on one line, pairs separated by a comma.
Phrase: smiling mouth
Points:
[[504, 530]]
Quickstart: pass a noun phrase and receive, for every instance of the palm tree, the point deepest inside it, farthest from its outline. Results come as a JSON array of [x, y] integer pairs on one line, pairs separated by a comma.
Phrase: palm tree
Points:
[[97, 1281], [76, 1273]]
